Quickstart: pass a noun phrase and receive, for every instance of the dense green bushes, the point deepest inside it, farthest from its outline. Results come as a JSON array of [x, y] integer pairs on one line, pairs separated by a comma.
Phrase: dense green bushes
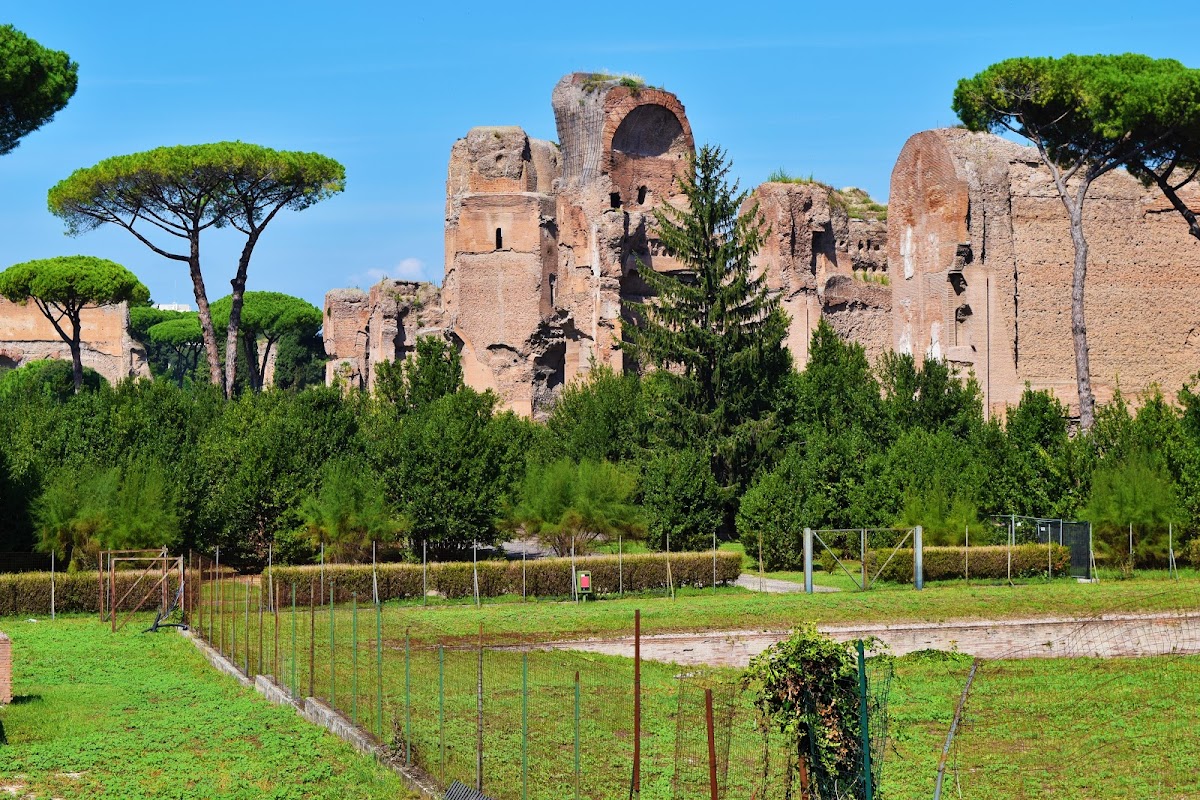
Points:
[[543, 577], [29, 592], [948, 563]]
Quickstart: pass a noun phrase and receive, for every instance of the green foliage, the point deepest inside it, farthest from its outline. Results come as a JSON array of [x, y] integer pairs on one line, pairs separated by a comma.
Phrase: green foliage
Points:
[[681, 499], [349, 511], [977, 563], [836, 391], [411, 384], [77, 515], [931, 398], [806, 688], [781, 175], [447, 468], [48, 377], [716, 335], [569, 505], [1133, 491], [35, 84], [600, 416]]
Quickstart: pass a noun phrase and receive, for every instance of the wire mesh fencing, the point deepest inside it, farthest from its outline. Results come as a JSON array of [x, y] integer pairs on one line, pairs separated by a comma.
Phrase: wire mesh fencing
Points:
[[1104, 708], [515, 719]]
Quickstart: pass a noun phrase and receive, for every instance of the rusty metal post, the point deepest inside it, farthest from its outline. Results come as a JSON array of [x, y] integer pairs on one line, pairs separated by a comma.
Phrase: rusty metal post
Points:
[[712, 744], [312, 637], [247, 629], [277, 661], [479, 718], [259, 670], [637, 702]]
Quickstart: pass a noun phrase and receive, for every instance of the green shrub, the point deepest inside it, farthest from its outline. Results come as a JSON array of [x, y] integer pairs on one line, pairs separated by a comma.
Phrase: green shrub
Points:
[[74, 592], [949, 563], [544, 577]]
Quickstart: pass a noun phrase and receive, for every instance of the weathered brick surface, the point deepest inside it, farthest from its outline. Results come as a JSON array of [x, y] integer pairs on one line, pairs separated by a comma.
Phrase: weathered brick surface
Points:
[[26, 335], [981, 262], [6, 687]]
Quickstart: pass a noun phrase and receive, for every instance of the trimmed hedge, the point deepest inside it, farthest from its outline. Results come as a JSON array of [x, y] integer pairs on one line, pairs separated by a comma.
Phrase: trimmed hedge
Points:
[[74, 592], [948, 563], [544, 577]]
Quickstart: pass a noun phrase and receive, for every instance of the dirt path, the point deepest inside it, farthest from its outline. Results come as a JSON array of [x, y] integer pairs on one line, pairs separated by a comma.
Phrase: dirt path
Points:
[[1106, 637], [748, 580]]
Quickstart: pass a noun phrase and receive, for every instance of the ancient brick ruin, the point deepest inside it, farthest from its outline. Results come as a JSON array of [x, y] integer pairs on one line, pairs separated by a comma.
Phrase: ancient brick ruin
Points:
[[544, 243], [26, 335], [6, 688], [980, 262]]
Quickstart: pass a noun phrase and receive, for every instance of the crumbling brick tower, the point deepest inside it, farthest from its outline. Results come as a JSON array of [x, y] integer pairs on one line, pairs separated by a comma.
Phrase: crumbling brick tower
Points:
[[543, 241]]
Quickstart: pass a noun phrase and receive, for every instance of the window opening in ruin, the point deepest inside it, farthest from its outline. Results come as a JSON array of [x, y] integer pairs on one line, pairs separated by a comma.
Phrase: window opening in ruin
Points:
[[641, 195], [499, 239], [553, 281], [614, 200]]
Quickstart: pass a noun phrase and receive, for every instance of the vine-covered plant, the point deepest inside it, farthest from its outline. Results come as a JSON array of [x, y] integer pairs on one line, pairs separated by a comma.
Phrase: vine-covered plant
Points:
[[807, 689]]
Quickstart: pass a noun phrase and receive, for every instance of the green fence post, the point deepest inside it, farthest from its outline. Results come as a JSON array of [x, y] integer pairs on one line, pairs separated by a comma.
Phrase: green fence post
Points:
[[407, 702], [354, 658], [442, 710], [524, 726], [862, 711], [379, 666], [247, 629], [294, 687], [577, 735], [332, 650]]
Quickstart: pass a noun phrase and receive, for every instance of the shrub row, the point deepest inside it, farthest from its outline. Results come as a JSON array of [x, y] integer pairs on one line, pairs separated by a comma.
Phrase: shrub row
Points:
[[543, 577], [948, 563], [29, 592]]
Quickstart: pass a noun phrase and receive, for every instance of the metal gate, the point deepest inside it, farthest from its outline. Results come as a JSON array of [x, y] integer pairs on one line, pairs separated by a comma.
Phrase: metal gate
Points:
[[1075, 536]]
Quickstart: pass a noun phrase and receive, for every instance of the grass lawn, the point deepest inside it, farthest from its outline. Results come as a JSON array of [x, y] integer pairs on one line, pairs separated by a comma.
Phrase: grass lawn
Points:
[[145, 716]]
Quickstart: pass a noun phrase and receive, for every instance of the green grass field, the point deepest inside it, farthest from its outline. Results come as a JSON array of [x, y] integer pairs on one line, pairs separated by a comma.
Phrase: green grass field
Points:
[[145, 716]]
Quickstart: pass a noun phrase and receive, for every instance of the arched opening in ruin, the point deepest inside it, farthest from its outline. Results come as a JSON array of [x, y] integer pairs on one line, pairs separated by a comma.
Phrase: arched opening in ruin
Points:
[[641, 195], [499, 239], [649, 130], [614, 200]]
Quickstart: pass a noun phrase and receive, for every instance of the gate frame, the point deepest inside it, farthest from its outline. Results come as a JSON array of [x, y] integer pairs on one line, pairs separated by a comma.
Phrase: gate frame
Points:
[[864, 584], [168, 566]]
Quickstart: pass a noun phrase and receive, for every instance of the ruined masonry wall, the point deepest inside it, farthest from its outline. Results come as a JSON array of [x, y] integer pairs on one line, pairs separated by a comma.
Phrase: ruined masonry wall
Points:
[[26, 335]]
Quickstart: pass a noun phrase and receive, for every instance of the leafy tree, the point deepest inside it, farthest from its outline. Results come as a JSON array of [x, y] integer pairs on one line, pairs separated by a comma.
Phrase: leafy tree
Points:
[[35, 84], [931, 397], [1086, 115], [444, 469], [141, 319], [681, 499], [301, 361], [411, 384], [1133, 491], [80, 514], [349, 511], [268, 316], [181, 192], [569, 505], [62, 287], [600, 416], [806, 688], [48, 377], [836, 391], [182, 339], [716, 332]]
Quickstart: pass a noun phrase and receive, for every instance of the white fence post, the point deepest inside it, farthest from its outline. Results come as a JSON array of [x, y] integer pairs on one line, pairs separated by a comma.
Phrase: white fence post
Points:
[[808, 560], [918, 558]]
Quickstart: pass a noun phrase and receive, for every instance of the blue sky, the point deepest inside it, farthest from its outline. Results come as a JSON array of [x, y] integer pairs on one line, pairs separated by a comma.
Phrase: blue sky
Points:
[[831, 89]]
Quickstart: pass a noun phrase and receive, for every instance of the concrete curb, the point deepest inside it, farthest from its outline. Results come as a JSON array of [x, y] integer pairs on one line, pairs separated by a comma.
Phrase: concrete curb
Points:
[[318, 713]]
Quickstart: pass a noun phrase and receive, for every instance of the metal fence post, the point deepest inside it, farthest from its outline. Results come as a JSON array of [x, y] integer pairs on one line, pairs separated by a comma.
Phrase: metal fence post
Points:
[[620, 565], [525, 726], [247, 629], [808, 560], [919, 557], [332, 651], [637, 702], [862, 549], [479, 717], [312, 637], [442, 712], [407, 701], [259, 670], [714, 586], [862, 711], [712, 744], [577, 770], [379, 667], [295, 688], [354, 658]]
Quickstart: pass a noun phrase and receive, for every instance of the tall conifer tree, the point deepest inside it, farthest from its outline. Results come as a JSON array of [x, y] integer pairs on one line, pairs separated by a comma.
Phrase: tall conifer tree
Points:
[[716, 331]]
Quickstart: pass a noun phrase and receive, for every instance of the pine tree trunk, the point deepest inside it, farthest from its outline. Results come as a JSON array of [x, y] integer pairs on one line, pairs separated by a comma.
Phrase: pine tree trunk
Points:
[[206, 323], [1083, 374], [76, 359], [238, 284]]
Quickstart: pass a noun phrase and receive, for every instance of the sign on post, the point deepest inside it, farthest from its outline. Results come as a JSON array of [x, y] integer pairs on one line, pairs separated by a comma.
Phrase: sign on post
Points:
[[583, 583]]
